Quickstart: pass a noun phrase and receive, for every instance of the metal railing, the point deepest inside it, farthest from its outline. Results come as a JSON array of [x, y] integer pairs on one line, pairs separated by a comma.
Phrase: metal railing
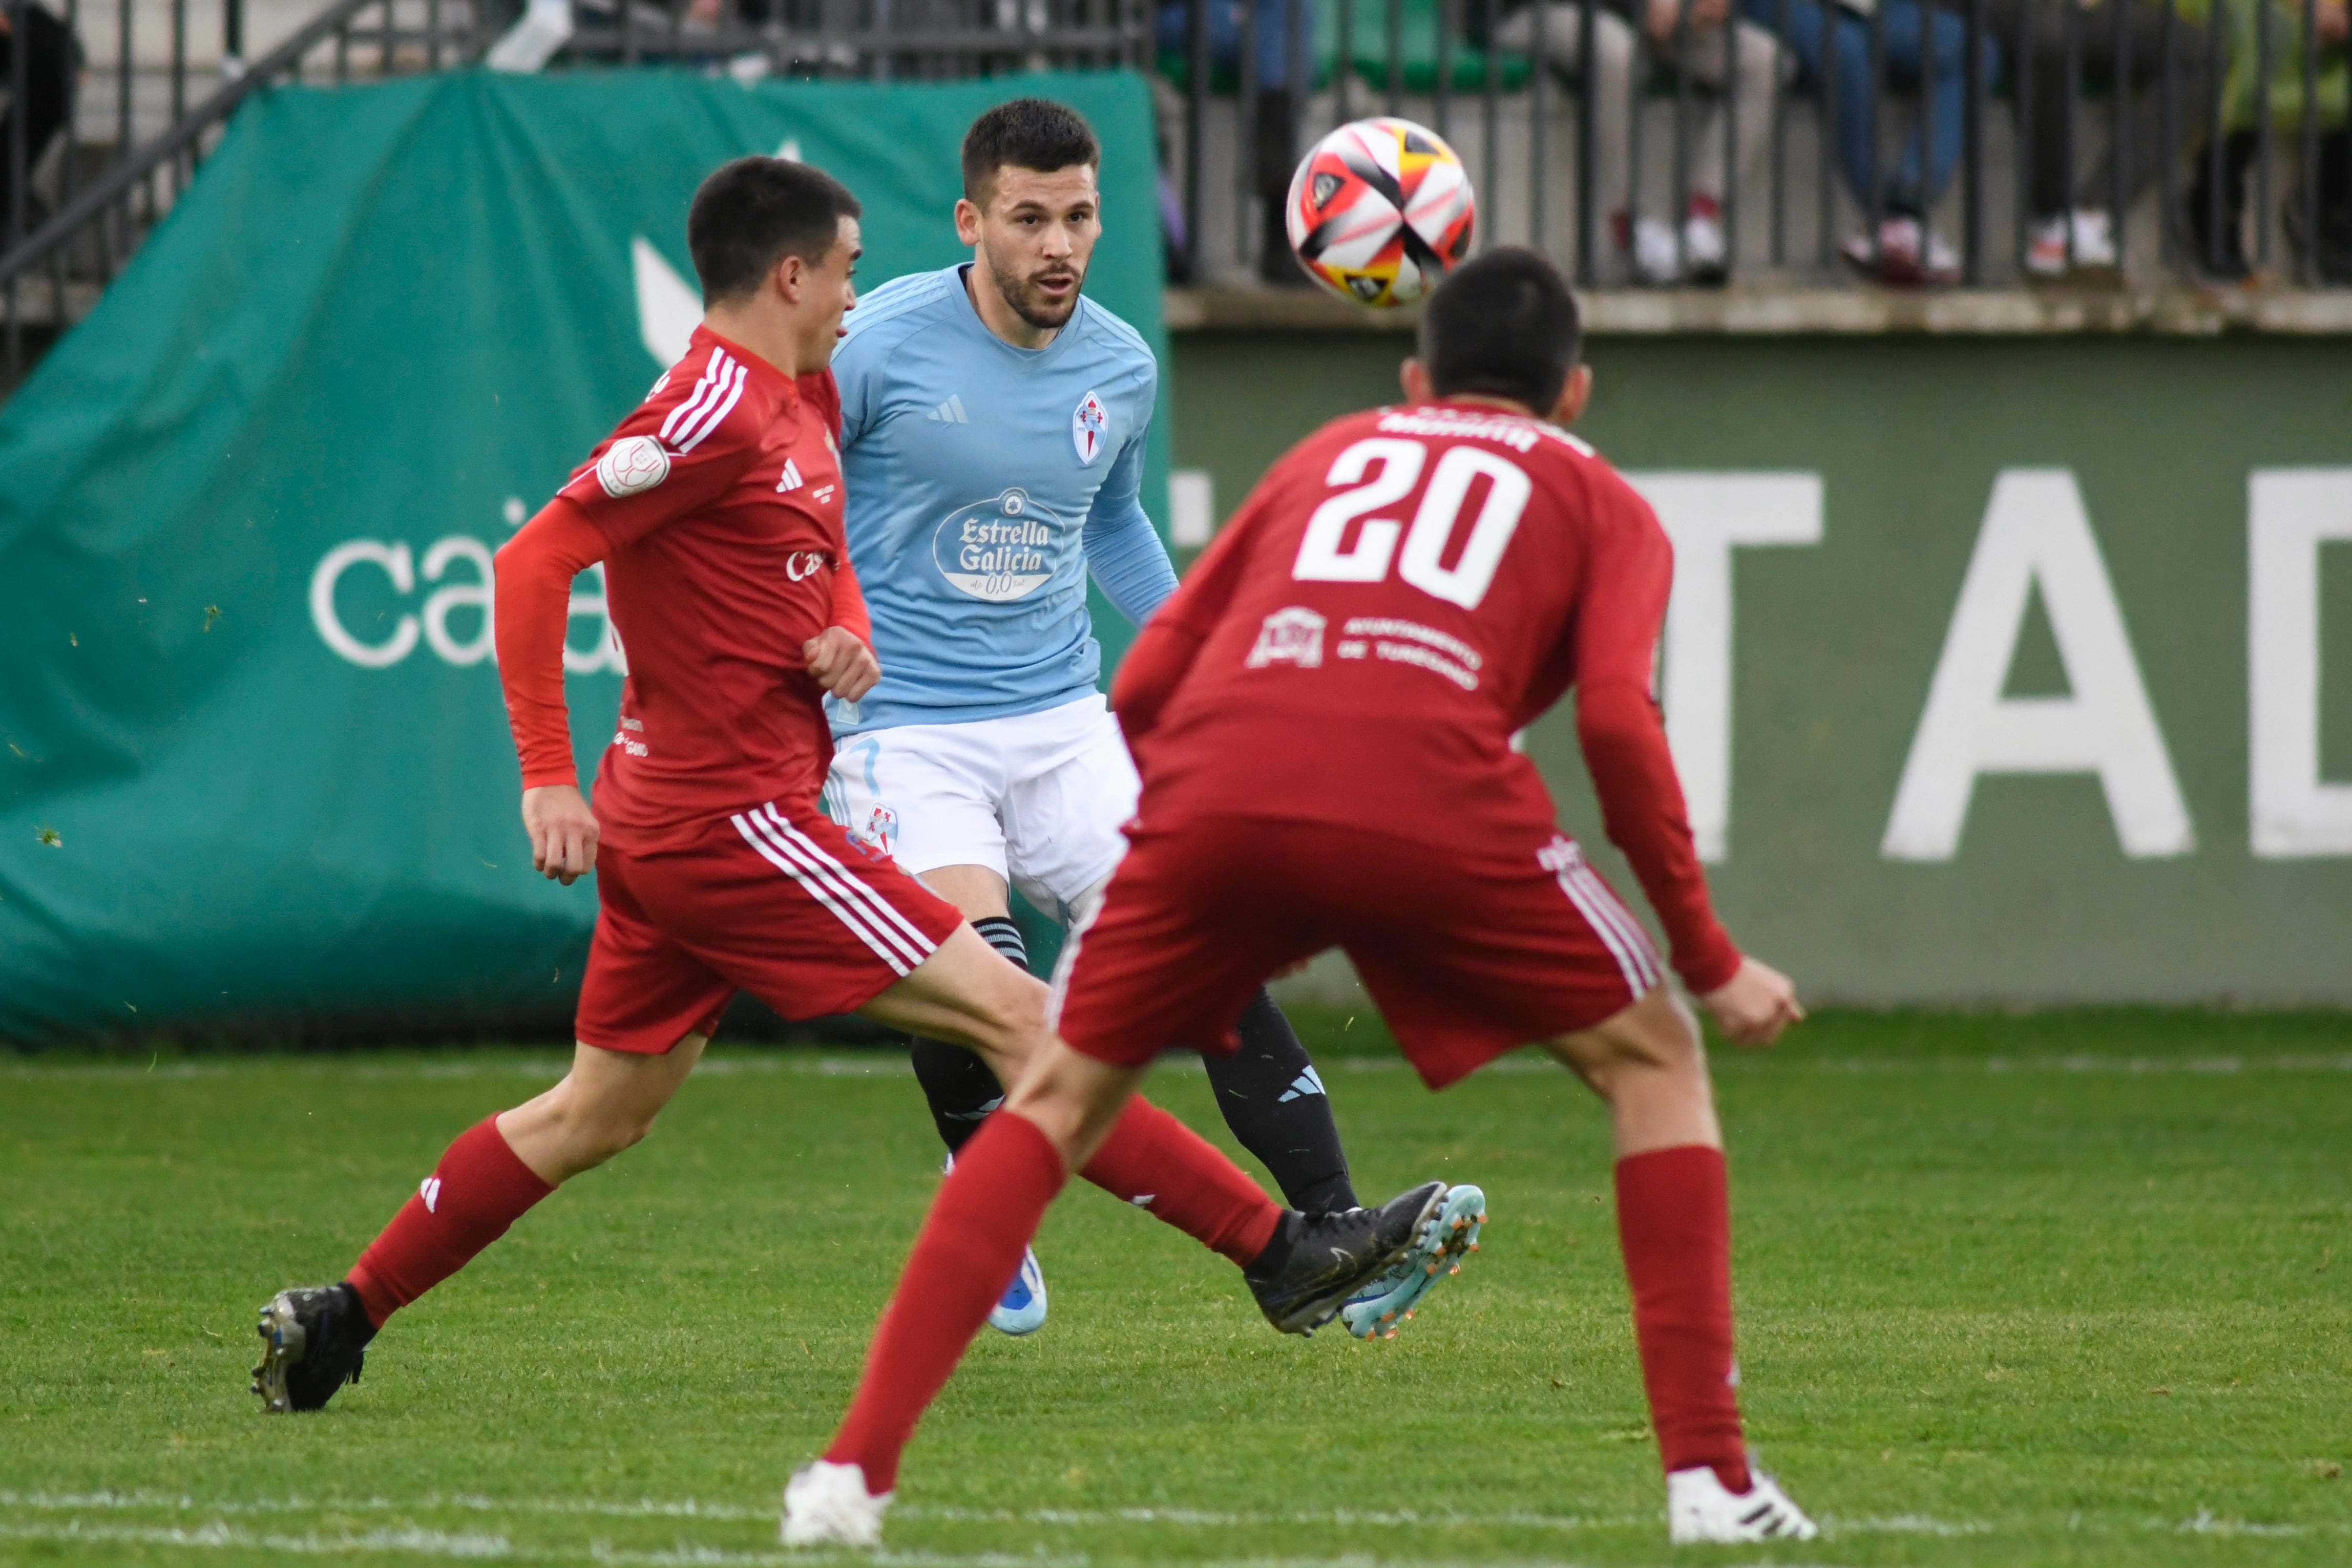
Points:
[[2092, 140], [869, 39], [1655, 145], [106, 194]]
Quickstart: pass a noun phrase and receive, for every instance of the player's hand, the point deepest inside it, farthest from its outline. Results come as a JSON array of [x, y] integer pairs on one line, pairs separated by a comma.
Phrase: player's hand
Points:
[[1755, 1004], [841, 664], [563, 830]]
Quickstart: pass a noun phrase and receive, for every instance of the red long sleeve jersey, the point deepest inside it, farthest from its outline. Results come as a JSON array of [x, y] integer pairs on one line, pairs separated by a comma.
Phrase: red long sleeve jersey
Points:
[[717, 504], [1403, 591]]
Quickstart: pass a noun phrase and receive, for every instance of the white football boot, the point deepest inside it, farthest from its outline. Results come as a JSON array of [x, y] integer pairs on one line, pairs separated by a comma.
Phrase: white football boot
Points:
[[826, 1504], [1699, 1508], [1021, 1308]]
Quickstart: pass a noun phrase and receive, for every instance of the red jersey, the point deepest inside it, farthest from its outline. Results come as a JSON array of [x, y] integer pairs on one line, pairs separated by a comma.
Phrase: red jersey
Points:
[[1406, 590], [719, 502]]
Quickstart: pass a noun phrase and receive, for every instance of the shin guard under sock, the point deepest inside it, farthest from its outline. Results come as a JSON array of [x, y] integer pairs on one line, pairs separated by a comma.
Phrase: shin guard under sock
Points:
[[1156, 1162], [1673, 1222], [479, 1188], [957, 1084], [1273, 1099], [985, 1214]]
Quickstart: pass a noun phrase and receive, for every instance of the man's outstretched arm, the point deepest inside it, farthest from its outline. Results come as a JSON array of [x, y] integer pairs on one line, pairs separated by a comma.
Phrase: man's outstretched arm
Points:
[[533, 609]]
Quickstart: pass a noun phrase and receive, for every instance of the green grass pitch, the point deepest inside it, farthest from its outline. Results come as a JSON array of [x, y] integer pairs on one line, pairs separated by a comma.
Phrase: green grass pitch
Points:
[[2066, 1289]]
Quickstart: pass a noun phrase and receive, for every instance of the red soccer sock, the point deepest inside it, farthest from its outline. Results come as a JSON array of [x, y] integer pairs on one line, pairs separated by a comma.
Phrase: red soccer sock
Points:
[[970, 1244], [1156, 1162], [1673, 1222], [479, 1188]]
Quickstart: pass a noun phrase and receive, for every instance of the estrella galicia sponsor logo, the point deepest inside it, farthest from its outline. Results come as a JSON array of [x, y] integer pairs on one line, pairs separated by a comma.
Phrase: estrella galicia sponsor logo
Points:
[[998, 550]]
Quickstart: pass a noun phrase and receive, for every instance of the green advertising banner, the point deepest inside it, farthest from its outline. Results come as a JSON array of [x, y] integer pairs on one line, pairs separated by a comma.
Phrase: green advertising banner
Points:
[[256, 761], [1997, 671]]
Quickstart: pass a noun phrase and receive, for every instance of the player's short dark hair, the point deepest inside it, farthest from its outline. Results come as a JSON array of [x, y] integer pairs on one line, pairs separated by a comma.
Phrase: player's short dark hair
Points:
[[1504, 324], [751, 213], [1028, 133]]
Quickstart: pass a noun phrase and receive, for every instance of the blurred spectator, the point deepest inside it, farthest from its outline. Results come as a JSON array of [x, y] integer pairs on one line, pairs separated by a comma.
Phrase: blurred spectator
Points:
[[2216, 208], [1833, 44], [1699, 44], [2036, 30], [1275, 112], [51, 58]]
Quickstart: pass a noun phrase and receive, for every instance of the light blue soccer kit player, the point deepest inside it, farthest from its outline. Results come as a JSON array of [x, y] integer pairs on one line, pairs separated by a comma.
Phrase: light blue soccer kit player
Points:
[[985, 483]]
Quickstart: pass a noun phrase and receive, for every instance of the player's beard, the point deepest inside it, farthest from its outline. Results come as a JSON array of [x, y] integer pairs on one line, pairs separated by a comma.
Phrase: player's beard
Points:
[[1030, 303]]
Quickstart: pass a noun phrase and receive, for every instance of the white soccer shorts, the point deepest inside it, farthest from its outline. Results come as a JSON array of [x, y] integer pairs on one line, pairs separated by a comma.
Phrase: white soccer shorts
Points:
[[1040, 799]]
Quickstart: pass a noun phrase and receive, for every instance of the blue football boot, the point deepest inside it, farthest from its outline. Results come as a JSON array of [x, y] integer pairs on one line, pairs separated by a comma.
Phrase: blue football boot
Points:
[[1021, 1308], [1437, 1250]]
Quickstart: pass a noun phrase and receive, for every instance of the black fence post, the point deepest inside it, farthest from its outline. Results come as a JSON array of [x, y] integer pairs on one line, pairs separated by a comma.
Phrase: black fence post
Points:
[[2262, 139], [2310, 154], [1196, 111], [1972, 147], [2168, 139]]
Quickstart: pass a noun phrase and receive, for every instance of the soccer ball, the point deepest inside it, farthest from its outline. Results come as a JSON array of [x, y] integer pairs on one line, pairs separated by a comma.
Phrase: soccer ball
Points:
[[1380, 210]]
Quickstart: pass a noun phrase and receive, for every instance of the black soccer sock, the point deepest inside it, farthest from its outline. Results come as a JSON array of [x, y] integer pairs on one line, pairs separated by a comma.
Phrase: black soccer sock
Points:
[[1273, 1100], [957, 1084]]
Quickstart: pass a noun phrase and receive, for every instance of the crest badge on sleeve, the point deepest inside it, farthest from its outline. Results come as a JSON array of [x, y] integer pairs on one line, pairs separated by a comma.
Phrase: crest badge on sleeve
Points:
[[632, 465], [1088, 424]]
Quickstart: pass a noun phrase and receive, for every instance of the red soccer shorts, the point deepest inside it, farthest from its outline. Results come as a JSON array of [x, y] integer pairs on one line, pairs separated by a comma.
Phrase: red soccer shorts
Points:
[[774, 901], [1471, 948]]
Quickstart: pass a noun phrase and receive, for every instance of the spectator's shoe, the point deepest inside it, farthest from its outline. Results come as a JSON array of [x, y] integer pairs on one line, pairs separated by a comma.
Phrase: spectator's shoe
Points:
[[1436, 1254], [1706, 253], [2094, 244], [827, 1504], [1317, 1261], [313, 1340], [1656, 259], [1910, 255], [1021, 1308], [1699, 1510]]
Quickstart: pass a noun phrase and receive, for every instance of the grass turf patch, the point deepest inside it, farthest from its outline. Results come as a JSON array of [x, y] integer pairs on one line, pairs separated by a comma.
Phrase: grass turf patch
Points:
[[2068, 1288]]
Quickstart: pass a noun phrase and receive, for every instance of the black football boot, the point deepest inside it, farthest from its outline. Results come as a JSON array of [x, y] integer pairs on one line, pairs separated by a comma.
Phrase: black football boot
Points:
[[1315, 1261], [314, 1340]]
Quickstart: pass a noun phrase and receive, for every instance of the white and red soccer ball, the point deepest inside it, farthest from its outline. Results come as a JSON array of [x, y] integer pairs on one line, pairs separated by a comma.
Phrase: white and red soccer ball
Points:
[[1379, 211]]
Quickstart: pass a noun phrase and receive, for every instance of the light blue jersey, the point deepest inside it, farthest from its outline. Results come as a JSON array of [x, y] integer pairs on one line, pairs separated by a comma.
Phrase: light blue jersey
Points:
[[984, 481]]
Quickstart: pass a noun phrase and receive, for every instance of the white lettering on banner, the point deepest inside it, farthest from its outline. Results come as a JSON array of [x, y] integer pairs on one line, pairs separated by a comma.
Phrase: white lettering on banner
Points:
[[431, 625], [2290, 513], [2037, 533], [393, 561], [1708, 515], [668, 308], [473, 595]]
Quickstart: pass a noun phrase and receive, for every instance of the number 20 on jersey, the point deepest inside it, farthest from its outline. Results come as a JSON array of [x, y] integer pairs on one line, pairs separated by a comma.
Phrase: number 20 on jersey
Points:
[[1384, 470]]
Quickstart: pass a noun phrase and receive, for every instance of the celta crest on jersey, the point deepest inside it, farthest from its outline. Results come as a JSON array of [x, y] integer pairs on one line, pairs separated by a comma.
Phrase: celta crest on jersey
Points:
[[998, 550], [1089, 421], [1292, 636], [632, 465]]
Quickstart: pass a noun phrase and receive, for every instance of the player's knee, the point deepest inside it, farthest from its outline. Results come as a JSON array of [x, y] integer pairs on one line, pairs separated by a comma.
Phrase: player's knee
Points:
[[1654, 1040]]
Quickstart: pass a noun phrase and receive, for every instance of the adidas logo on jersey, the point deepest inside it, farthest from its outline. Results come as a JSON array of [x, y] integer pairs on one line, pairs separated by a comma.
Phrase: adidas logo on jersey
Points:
[[792, 479], [950, 412]]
